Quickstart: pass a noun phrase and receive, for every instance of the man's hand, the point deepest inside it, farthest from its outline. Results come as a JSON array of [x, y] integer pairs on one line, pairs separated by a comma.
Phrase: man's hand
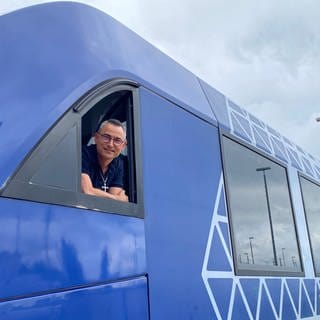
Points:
[[114, 193], [122, 196]]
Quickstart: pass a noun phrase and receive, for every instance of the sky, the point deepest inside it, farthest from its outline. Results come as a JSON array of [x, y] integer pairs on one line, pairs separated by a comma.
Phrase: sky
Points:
[[264, 55]]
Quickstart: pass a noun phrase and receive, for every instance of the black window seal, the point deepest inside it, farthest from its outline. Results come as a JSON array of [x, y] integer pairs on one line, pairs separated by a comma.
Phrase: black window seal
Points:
[[317, 183]]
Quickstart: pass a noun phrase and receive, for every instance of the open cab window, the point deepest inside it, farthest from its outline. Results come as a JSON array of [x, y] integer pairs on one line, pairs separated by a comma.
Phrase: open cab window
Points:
[[52, 171]]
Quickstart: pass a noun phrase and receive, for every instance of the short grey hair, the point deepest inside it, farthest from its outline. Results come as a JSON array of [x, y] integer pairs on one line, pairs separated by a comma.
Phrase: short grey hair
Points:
[[114, 122]]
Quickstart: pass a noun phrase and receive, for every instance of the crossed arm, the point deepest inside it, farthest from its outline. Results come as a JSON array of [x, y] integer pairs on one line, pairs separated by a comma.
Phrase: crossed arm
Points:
[[114, 193]]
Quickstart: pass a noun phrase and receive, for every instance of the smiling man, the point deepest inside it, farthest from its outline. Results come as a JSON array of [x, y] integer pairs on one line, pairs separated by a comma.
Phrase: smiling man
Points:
[[103, 171]]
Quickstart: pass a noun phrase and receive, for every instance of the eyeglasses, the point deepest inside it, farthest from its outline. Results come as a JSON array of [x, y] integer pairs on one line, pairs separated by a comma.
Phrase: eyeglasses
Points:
[[107, 138]]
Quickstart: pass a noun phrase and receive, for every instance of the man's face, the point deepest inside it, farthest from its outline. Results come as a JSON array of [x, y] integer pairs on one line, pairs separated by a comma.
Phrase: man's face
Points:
[[108, 141]]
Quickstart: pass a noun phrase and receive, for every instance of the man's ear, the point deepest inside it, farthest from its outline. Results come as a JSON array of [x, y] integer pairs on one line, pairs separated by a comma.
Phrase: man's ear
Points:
[[95, 137], [124, 145]]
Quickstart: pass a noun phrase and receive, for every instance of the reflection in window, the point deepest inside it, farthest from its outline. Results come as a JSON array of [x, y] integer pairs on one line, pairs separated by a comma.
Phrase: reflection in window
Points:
[[311, 200], [261, 215]]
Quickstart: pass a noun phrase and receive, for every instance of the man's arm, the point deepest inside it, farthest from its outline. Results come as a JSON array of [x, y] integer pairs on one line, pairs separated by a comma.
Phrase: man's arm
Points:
[[114, 193]]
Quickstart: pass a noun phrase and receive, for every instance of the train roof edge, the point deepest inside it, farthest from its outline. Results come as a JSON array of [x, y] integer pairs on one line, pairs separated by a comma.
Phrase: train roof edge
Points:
[[45, 70]]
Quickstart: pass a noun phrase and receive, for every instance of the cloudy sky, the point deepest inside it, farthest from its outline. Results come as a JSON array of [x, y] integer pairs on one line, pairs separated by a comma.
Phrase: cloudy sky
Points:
[[262, 55]]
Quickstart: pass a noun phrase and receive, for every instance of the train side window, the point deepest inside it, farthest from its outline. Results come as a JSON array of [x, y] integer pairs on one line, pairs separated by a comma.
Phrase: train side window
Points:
[[52, 171], [262, 223], [311, 195]]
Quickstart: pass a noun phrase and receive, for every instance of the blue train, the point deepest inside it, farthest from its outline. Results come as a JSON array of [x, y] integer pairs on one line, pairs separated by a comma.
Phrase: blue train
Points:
[[222, 220]]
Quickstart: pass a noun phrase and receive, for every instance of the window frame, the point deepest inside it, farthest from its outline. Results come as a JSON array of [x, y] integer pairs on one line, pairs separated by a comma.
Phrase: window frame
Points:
[[317, 183], [19, 187], [252, 272]]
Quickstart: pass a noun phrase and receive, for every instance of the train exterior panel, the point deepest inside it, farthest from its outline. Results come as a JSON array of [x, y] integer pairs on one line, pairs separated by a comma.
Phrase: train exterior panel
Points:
[[221, 221]]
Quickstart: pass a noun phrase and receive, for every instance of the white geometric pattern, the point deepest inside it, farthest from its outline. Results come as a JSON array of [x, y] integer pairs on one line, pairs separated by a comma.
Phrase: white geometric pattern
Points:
[[296, 298], [244, 125]]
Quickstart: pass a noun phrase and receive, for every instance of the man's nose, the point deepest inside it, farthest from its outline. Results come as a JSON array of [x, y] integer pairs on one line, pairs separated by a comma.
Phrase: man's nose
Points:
[[110, 142]]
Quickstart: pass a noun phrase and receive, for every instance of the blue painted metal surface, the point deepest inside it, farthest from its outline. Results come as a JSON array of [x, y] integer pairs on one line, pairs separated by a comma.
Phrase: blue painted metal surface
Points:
[[45, 247], [181, 174], [187, 256], [125, 300]]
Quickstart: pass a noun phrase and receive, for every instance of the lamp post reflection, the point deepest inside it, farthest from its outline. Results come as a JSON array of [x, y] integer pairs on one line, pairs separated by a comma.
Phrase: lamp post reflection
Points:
[[245, 253], [247, 259], [294, 263], [283, 258], [251, 250], [263, 170]]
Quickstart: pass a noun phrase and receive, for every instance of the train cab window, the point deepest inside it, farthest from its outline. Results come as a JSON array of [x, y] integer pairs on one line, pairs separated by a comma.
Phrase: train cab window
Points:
[[52, 172], [311, 201], [116, 106], [263, 230]]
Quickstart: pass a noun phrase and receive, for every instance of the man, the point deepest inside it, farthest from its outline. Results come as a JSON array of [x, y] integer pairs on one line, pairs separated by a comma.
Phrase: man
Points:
[[102, 168]]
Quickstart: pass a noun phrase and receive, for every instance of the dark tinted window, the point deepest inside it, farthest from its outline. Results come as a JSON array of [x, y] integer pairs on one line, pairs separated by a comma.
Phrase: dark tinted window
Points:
[[58, 168], [263, 230], [311, 200]]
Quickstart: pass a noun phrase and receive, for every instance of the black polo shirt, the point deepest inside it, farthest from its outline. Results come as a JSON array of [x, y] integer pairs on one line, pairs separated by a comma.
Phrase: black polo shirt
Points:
[[115, 175]]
